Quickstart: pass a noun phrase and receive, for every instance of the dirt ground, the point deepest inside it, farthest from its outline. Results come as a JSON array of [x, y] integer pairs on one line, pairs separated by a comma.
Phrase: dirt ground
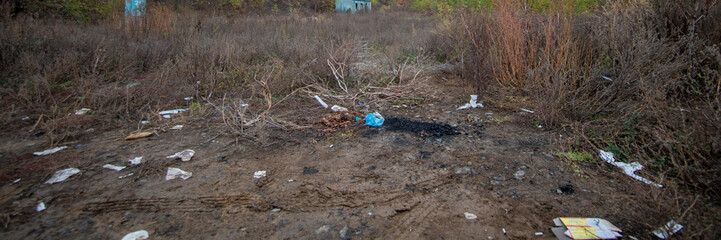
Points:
[[356, 183]]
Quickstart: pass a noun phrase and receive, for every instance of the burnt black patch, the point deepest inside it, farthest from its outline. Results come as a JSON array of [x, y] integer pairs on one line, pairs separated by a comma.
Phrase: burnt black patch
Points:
[[422, 128]]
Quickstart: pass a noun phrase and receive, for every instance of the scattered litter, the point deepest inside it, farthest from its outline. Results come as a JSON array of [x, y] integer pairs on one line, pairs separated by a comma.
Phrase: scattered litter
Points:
[[310, 170], [113, 167], [628, 168], [126, 175], [40, 207], [244, 105], [322, 229], [136, 161], [166, 116], [539, 234], [526, 110], [144, 122], [62, 175], [463, 171], [139, 235], [667, 230], [471, 104], [366, 106], [584, 228], [184, 155], [174, 173], [607, 78], [331, 146], [504, 231], [138, 135], [290, 180], [17, 180], [259, 174], [374, 119], [82, 111], [357, 119], [275, 210], [177, 127], [79, 145], [519, 175], [188, 98], [370, 214], [49, 151], [337, 108], [174, 111], [470, 216], [321, 101], [25, 118], [343, 232]]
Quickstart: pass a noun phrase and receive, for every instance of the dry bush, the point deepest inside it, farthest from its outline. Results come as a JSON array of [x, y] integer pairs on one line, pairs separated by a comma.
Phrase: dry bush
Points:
[[638, 78]]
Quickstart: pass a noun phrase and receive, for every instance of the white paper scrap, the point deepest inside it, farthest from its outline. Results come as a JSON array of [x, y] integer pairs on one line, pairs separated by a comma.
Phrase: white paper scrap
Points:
[[113, 167], [470, 216], [174, 111], [628, 168], [82, 111], [184, 155], [321, 101], [337, 108], [259, 174], [669, 229], [50, 151], [177, 127], [40, 207], [174, 173], [62, 175], [471, 104], [136, 161], [139, 235]]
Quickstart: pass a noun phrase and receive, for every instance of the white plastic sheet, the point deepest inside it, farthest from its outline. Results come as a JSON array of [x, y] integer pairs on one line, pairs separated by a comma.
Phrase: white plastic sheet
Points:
[[62, 175], [174, 173], [628, 168], [50, 151], [184, 155], [113, 167], [139, 235], [473, 103]]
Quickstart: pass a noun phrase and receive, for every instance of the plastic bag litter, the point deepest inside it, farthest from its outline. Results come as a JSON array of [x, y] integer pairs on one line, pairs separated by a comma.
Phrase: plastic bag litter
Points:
[[136, 161], [40, 207], [337, 108], [177, 127], [174, 173], [184, 155], [526, 110], [375, 119], [188, 98], [82, 111], [62, 175], [667, 230], [174, 111], [126, 175], [470, 216], [628, 168], [113, 167], [17, 180], [471, 104], [49, 151], [321, 101], [259, 174], [139, 235]]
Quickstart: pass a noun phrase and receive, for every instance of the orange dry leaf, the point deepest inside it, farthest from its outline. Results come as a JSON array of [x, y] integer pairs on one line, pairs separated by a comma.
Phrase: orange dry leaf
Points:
[[138, 135]]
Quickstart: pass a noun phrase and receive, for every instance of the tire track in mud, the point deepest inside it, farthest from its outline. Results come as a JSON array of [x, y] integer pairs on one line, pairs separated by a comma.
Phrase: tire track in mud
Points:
[[201, 204], [412, 223]]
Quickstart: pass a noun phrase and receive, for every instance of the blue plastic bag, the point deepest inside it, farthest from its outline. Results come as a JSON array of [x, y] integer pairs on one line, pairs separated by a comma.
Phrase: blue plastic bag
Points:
[[374, 119]]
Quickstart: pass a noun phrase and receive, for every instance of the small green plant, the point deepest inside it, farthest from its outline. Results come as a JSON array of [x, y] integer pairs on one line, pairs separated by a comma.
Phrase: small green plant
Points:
[[194, 106], [576, 156]]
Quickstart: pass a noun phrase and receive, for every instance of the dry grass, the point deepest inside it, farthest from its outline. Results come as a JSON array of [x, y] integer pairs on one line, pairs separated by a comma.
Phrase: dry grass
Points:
[[126, 71]]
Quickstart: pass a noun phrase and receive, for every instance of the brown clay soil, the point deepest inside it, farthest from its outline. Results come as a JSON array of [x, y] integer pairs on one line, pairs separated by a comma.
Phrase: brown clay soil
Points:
[[355, 183]]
